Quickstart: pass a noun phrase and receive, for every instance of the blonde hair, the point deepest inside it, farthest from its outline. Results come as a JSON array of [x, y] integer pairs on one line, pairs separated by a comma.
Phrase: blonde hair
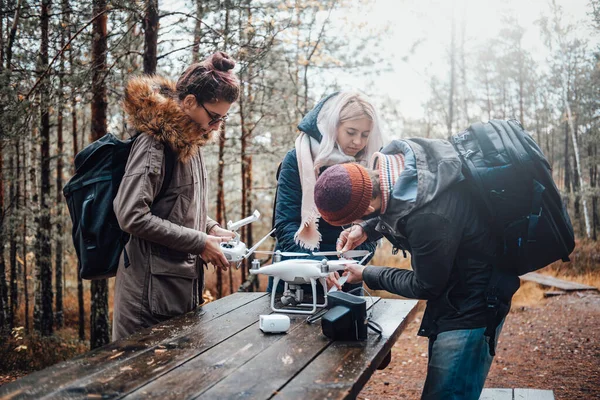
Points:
[[346, 106], [357, 107]]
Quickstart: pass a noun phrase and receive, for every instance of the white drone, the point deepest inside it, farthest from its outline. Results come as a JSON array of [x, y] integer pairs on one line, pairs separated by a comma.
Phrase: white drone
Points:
[[293, 272], [235, 250], [296, 272]]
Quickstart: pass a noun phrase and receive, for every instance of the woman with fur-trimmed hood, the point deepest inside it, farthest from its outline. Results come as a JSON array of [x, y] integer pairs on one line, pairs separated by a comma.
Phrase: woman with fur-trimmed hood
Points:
[[172, 238]]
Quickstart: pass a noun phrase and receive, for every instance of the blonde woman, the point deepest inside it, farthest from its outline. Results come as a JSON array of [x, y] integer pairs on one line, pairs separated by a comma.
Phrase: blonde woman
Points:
[[343, 127]]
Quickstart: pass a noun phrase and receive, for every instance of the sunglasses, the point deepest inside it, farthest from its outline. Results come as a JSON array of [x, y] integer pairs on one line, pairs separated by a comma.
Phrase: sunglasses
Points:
[[214, 118]]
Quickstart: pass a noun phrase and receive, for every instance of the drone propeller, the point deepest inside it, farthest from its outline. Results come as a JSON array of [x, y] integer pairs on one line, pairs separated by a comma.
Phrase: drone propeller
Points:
[[283, 253], [253, 248], [346, 254], [341, 262]]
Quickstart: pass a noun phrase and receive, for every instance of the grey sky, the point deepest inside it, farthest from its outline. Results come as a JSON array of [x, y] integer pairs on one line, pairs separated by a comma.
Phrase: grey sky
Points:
[[430, 21]]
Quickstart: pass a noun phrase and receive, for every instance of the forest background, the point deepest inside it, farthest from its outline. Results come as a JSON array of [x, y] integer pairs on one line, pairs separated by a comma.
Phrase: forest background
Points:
[[431, 68]]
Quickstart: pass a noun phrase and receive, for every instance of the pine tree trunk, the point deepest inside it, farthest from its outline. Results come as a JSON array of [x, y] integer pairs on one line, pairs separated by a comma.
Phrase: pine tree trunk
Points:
[[221, 213], [2, 11], [150, 36], [44, 227], [99, 333], [243, 142], [34, 205], [549, 154], [244, 172], [12, 220], [58, 260], [80, 300], [4, 310], [198, 31], [593, 182], [4, 306], [463, 75], [521, 84], [24, 236], [452, 77], [17, 219], [75, 142], [567, 171], [247, 154], [221, 207]]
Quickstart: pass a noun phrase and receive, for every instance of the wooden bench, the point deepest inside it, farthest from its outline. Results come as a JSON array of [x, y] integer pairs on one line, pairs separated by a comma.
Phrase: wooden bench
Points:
[[218, 352], [516, 394]]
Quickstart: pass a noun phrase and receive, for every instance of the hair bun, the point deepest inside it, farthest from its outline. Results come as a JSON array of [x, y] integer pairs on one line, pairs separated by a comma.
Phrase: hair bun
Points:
[[222, 61]]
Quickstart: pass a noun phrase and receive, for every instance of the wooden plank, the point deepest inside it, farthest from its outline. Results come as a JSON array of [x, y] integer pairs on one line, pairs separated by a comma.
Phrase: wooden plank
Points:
[[496, 394], [41, 382], [533, 394], [204, 371], [263, 375], [136, 372], [555, 282], [341, 370]]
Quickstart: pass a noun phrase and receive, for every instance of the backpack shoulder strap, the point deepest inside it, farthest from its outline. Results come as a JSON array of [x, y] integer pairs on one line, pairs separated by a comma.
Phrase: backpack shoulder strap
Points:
[[169, 166]]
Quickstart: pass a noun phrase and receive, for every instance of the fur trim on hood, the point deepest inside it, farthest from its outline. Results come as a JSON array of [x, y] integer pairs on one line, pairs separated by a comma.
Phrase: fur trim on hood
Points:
[[152, 107]]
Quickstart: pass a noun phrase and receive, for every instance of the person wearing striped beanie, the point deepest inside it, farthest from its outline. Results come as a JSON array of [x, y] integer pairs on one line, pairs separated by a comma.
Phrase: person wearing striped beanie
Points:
[[415, 195], [347, 192]]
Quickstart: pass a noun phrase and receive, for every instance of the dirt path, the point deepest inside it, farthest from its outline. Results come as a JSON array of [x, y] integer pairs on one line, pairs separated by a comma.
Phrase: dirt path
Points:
[[553, 345]]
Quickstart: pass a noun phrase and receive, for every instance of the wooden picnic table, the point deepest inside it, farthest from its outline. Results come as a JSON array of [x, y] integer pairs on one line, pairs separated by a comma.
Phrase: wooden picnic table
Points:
[[218, 352]]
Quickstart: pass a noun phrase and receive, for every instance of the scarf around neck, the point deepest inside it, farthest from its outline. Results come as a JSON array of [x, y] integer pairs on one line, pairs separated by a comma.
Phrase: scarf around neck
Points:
[[307, 148]]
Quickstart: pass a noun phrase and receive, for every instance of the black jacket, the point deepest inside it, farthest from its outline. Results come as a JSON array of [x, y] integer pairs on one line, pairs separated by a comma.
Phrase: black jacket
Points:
[[432, 215]]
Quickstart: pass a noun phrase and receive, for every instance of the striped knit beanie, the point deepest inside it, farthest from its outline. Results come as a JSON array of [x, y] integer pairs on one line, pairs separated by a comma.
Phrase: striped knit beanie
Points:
[[390, 167], [343, 193]]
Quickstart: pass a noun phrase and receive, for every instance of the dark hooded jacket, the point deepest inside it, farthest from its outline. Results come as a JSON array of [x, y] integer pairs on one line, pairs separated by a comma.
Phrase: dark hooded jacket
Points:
[[432, 215], [288, 201]]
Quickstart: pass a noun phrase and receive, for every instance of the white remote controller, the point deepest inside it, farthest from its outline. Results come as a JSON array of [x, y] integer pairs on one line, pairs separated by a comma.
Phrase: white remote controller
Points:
[[234, 250]]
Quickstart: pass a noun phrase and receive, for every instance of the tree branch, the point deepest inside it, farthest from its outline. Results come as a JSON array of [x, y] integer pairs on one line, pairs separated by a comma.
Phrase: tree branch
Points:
[[66, 46]]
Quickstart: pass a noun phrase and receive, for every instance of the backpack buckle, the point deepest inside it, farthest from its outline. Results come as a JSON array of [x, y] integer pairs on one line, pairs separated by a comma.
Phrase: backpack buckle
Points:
[[491, 298], [468, 154], [492, 301], [461, 137]]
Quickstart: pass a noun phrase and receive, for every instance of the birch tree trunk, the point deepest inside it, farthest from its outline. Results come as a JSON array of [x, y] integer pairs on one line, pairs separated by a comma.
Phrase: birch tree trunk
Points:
[[578, 163]]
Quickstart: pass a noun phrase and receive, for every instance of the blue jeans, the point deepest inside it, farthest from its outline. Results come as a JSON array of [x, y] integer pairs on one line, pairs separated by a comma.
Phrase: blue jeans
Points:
[[459, 362]]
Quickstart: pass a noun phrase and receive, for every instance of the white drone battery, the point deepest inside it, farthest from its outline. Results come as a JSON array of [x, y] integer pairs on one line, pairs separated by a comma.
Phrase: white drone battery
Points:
[[274, 323]]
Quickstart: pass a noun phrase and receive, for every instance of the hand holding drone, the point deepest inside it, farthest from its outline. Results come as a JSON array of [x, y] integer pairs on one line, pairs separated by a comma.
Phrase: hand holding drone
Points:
[[235, 250]]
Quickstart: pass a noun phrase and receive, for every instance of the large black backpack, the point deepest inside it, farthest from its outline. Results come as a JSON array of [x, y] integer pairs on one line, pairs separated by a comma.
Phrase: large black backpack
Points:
[[513, 181], [97, 237]]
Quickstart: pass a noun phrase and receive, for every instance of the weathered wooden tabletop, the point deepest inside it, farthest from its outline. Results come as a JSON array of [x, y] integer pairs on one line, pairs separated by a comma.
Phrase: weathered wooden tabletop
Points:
[[218, 352]]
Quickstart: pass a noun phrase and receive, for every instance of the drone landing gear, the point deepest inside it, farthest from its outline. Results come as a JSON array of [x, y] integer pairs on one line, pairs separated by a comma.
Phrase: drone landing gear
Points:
[[293, 295]]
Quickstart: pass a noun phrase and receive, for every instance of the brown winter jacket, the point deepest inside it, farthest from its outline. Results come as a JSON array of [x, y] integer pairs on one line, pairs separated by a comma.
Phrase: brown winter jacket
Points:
[[166, 236]]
